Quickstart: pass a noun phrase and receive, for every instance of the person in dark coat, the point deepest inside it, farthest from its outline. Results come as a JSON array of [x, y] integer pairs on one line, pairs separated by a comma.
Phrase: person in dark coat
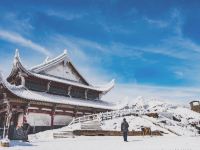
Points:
[[124, 129], [26, 129]]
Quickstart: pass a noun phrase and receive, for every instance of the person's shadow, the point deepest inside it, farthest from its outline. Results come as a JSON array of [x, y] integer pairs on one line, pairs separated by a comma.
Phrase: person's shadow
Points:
[[135, 140], [14, 143]]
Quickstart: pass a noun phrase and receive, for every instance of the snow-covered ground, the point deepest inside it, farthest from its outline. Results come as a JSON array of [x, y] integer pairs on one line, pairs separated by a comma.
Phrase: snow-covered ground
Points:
[[135, 124], [173, 120], [112, 143]]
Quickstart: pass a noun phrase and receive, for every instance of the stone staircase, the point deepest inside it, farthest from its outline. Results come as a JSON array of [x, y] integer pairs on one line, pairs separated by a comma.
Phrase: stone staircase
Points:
[[63, 134], [91, 125]]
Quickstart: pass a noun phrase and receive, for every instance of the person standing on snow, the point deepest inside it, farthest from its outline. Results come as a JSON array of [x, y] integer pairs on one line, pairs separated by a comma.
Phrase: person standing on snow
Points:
[[124, 129]]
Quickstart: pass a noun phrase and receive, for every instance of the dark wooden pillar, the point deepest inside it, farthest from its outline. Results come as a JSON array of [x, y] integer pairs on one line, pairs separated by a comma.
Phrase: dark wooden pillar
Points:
[[52, 116], [75, 112], [69, 91], [48, 86], [7, 118], [52, 121], [86, 94], [25, 113]]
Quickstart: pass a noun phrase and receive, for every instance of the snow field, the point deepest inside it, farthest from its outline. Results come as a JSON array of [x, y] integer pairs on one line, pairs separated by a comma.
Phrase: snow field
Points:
[[112, 143]]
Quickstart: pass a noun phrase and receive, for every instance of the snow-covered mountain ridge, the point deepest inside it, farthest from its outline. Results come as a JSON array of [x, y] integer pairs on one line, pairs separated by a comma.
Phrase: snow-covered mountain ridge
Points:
[[166, 109], [176, 117]]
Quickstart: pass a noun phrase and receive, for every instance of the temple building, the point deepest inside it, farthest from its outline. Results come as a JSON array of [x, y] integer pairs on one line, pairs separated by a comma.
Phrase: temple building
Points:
[[49, 95]]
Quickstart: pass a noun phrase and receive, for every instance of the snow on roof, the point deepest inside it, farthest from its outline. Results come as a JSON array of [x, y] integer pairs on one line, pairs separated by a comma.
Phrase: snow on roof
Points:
[[102, 88], [50, 62], [21, 91], [45, 97], [34, 72]]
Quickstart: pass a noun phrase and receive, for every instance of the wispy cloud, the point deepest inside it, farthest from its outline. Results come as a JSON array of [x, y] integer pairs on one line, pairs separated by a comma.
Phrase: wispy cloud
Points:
[[173, 22], [18, 39], [66, 15], [15, 22], [111, 49], [157, 23], [175, 47], [89, 54], [113, 29]]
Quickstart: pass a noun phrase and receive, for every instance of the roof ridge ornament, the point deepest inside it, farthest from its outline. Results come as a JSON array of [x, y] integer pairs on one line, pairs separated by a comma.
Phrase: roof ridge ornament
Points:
[[65, 51], [1, 76], [46, 60], [17, 53], [16, 57]]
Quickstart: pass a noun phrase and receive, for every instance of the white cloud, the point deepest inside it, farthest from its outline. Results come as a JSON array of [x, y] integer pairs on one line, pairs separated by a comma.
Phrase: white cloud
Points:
[[66, 15], [179, 74], [184, 43], [157, 23], [173, 94], [18, 39], [112, 49], [175, 47], [13, 21]]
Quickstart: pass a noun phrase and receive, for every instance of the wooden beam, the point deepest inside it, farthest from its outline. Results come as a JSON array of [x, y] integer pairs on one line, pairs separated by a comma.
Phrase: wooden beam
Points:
[[64, 114], [41, 106], [39, 111], [3, 110], [50, 112]]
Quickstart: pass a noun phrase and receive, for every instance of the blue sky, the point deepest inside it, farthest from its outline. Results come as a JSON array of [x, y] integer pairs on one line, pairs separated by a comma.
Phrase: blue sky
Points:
[[146, 45]]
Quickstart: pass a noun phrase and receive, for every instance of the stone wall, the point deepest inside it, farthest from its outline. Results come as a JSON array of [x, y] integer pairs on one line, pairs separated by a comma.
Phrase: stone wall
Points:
[[113, 133], [195, 106]]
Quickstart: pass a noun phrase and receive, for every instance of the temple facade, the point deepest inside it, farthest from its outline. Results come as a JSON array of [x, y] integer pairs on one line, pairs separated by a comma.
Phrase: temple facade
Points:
[[49, 95]]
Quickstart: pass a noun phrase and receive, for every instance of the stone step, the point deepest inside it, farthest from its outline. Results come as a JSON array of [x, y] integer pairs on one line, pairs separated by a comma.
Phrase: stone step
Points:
[[63, 134], [90, 128], [91, 125], [92, 122]]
